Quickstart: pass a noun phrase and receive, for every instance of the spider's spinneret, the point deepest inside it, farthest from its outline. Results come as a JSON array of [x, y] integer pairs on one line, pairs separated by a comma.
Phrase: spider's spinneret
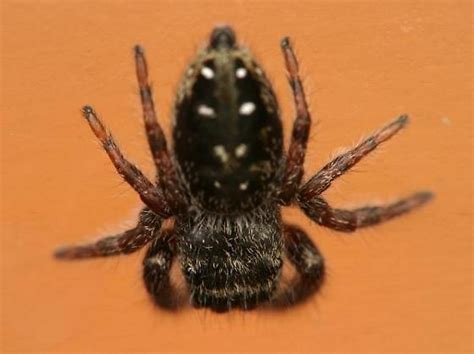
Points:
[[227, 133]]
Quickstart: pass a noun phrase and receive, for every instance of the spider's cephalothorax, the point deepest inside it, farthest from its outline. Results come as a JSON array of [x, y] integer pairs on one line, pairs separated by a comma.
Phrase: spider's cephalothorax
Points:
[[225, 183], [227, 133]]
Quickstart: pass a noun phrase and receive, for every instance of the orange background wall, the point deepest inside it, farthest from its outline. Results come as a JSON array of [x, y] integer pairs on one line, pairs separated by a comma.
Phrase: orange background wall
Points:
[[404, 286]]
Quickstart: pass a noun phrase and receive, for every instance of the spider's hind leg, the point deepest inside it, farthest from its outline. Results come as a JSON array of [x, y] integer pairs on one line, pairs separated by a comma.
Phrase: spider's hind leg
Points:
[[344, 162], [299, 137], [148, 192], [166, 172], [156, 137]]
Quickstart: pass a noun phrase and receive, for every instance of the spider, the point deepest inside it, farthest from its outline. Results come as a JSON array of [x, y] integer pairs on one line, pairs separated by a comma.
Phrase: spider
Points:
[[225, 181]]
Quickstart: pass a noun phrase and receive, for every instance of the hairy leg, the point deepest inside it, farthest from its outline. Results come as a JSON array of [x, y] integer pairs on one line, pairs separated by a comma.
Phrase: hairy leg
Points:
[[156, 267], [299, 136], [341, 164], [127, 242], [308, 262], [156, 138], [349, 220], [149, 194]]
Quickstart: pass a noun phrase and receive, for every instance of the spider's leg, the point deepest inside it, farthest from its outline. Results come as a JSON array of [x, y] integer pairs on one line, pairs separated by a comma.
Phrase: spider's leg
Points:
[[308, 262], [342, 163], [156, 267], [301, 126], [149, 194], [349, 220], [156, 137], [127, 242]]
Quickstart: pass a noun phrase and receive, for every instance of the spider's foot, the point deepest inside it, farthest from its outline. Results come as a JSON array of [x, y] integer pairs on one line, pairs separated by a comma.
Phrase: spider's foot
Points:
[[285, 42], [138, 49], [392, 128], [94, 122], [421, 198]]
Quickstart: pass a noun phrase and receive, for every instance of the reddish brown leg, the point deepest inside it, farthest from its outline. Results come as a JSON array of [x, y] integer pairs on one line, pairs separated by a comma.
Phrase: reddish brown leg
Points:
[[308, 262], [156, 138], [341, 164], [299, 136], [127, 242], [149, 193], [349, 220], [156, 268], [155, 135]]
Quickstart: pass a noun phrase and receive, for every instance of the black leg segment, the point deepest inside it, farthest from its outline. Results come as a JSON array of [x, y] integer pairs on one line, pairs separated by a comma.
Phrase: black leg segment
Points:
[[156, 267], [309, 264]]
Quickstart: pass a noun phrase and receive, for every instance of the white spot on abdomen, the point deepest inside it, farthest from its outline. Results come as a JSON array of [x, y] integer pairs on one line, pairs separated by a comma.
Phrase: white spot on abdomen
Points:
[[244, 185], [221, 153], [208, 73], [206, 111], [241, 73], [247, 108], [240, 150]]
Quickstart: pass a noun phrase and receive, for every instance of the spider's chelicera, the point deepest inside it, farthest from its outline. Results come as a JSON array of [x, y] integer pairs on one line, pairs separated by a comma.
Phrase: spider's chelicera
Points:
[[224, 183]]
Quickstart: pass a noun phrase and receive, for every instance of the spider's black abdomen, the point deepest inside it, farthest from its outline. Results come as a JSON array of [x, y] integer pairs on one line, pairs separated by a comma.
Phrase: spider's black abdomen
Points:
[[227, 133], [231, 261]]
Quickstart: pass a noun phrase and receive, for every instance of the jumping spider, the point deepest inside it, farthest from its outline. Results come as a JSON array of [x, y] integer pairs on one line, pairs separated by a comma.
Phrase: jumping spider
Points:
[[225, 182]]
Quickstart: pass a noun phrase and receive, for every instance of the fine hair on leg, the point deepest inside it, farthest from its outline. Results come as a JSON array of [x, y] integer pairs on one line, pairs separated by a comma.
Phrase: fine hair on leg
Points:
[[308, 263], [124, 243]]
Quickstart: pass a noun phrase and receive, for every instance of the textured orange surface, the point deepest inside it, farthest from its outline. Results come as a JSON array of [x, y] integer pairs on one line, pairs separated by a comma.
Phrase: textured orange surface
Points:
[[404, 286]]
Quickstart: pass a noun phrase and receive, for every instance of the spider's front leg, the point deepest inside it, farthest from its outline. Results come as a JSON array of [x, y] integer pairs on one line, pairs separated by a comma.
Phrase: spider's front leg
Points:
[[156, 267], [127, 242], [299, 137], [156, 138], [308, 262]]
